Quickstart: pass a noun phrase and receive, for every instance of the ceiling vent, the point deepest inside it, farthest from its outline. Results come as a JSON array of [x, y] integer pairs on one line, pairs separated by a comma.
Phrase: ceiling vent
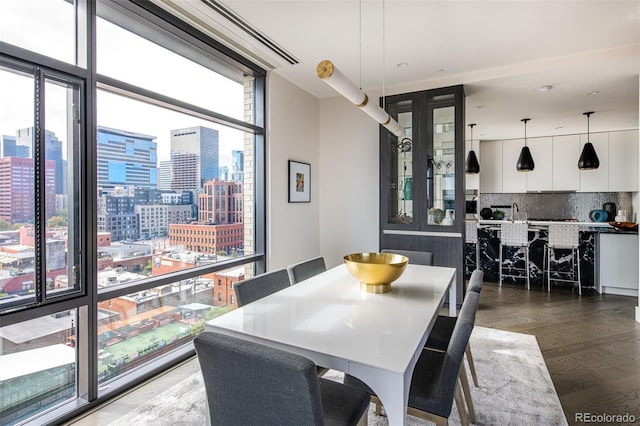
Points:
[[225, 26]]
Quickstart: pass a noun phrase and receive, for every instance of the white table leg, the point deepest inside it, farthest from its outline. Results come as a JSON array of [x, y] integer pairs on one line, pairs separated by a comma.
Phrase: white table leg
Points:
[[391, 389], [452, 297]]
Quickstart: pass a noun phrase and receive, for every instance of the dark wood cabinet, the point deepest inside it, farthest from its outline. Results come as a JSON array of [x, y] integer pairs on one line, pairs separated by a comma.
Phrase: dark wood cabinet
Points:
[[422, 200]]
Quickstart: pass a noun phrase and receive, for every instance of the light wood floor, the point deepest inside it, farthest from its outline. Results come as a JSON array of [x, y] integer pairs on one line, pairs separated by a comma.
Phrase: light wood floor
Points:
[[591, 344]]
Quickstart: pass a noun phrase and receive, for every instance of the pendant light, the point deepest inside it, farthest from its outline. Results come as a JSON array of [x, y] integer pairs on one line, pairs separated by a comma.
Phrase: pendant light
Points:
[[525, 161], [588, 159], [472, 166]]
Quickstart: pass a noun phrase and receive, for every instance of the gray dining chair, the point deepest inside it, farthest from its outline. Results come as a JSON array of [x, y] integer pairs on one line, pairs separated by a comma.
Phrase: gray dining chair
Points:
[[248, 383], [262, 285], [440, 334], [436, 376], [306, 269], [415, 257]]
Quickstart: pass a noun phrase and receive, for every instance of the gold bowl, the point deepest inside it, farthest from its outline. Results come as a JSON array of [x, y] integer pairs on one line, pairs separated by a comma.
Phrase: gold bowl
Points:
[[376, 271]]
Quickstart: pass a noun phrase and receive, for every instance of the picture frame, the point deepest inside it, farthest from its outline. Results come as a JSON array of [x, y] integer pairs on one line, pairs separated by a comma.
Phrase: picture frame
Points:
[[299, 182]]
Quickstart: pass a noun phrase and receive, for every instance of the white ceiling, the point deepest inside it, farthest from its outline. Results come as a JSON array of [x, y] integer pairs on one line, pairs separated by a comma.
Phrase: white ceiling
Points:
[[500, 50]]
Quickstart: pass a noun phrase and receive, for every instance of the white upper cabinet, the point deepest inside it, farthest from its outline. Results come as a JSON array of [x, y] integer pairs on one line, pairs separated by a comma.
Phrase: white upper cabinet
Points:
[[472, 180], [566, 152], [512, 179], [596, 180], [491, 167], [623, 161], [540, 178], [556, 164]]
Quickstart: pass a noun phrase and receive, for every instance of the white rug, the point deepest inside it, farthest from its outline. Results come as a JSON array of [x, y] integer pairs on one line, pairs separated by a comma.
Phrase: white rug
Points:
[[515, 389]]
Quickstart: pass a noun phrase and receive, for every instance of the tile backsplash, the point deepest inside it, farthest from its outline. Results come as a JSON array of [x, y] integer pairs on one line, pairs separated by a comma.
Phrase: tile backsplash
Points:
[[569, 205]]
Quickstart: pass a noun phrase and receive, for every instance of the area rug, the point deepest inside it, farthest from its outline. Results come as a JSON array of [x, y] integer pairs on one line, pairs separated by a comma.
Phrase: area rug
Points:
[[515, 388]]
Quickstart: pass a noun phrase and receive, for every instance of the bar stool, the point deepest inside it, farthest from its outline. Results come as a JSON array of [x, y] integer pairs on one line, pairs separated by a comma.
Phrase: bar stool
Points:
[[563, 236], [515, 234], [471, 237]]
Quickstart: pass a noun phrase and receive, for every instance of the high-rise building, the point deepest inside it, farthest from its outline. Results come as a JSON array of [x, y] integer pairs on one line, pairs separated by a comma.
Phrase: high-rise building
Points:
[[17, 189], [164, 175], [194, 157], [237, 165], [52, 151], [126, 158], [7, 146]]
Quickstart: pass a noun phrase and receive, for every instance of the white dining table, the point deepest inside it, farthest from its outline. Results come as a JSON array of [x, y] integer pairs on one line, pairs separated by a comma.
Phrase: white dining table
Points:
[[328, 319]]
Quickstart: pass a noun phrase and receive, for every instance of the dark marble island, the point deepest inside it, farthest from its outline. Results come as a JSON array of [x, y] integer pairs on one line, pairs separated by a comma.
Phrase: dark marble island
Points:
[[489, 242]]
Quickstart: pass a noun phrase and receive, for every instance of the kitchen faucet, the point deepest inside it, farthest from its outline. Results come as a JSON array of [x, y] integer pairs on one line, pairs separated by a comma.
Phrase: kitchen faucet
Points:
[[514, 210]]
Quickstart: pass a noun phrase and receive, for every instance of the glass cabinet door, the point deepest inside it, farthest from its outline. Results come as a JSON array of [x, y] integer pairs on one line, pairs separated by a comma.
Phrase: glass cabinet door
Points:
[[400, 158], [441, 170]]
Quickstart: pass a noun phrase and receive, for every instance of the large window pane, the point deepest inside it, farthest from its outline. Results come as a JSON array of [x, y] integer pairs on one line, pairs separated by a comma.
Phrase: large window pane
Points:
[[43, 26], [38, 359], [139, 327], [127, 57], [60, 101], [17, 281], [19, 203], [171, 188]]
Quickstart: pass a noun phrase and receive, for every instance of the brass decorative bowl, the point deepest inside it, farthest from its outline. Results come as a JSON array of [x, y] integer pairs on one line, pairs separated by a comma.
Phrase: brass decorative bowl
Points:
[[376, 271]]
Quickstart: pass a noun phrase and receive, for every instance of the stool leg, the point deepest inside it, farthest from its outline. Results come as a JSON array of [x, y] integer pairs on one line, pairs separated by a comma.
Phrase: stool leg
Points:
[[549, 252], [526, 265], [578, 267], [478, 255], [500, 267]]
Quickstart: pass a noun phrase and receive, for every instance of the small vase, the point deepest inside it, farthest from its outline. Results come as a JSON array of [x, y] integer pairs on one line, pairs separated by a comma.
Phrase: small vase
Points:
[[448, 219]]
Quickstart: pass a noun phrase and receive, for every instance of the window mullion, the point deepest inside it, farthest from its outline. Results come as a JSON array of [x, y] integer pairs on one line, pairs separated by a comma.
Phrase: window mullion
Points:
[[39, 188]]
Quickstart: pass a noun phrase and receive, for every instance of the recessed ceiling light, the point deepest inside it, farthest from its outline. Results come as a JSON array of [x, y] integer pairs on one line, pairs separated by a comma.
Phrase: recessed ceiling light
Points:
[[595, 92], [402, 64], [441, 70], [559, 127], [481, 106], [544, 89]]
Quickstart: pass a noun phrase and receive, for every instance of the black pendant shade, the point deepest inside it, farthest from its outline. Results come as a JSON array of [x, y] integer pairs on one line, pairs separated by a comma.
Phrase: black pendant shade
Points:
[[588, 158], [525, 160], [472, 166]]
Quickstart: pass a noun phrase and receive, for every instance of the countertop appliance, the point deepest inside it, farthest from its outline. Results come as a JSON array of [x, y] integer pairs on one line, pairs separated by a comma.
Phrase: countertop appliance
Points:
[[612, 211], [598, 215]]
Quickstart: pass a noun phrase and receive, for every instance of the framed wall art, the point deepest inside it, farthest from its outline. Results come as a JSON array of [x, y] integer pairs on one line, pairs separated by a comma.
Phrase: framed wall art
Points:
[[299, 182]]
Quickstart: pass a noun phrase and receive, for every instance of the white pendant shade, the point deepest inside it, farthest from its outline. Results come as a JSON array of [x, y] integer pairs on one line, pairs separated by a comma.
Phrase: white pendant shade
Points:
[[340, 83]]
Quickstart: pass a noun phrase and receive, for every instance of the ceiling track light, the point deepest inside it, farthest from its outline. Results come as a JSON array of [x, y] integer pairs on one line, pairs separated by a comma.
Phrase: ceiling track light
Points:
[[331, 75], [472, 166], [588, 158], [525, 160]]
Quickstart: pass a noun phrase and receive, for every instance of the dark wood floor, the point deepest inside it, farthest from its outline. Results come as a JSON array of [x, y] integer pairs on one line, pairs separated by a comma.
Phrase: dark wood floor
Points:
[[591, 344]]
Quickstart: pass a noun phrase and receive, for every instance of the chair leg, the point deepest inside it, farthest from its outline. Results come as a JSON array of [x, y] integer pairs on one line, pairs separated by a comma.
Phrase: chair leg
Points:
[[472, 366], [378, 404], [364, 420], [460, 405], [466, 391]]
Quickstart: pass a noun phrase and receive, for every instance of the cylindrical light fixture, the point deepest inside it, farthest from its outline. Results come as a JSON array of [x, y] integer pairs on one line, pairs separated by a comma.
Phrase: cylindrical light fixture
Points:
[[525, 160], [333, 77], [472, 166], [588, 158]]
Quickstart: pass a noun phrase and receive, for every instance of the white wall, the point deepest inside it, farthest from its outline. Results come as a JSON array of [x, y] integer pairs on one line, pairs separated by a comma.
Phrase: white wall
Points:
[[292, 228], [349, 175]]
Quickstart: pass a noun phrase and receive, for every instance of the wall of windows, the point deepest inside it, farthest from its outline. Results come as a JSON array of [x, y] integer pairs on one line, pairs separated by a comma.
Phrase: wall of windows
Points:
[[112, 255]]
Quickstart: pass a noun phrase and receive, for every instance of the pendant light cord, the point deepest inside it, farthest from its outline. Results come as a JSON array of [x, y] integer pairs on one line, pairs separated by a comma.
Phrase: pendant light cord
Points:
[[360, 40], [383, 58]]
